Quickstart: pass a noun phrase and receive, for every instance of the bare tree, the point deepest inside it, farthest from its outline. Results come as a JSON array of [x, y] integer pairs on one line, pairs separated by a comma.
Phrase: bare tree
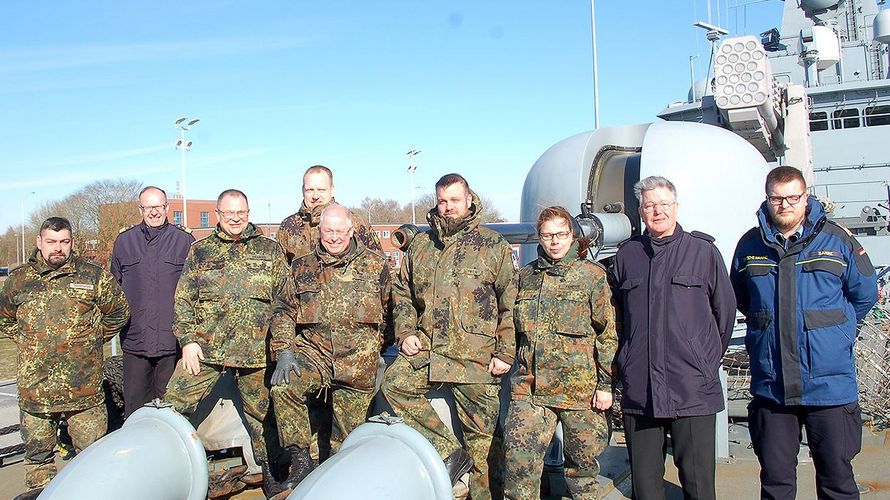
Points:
[[82, 208]]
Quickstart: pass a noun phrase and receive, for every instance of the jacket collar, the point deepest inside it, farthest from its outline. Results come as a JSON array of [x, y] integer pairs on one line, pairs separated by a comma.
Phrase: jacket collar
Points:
[[665, 240], [813, 220], [556, 267], [444, 227], [354, 250], [41, 267], [312, 215], [249, 232]]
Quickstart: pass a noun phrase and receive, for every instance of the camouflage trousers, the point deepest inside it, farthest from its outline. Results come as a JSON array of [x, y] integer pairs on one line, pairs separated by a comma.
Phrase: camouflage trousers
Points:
[[299, 414], [39, 435], [477, 407], [527, 434], [186, 391]]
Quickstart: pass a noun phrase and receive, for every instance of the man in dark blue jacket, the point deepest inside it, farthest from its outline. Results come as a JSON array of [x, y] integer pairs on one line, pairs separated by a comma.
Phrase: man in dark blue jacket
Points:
[[675, 314], [147, 261], [803, 282]]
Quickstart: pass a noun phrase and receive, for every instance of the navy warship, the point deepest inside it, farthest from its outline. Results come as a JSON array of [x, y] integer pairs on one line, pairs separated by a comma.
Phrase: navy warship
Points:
[[813, 93]]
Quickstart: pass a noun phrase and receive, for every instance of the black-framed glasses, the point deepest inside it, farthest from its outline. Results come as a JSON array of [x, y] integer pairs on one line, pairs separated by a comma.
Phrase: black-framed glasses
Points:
[[149, 208], [792, 200], [549, 236]]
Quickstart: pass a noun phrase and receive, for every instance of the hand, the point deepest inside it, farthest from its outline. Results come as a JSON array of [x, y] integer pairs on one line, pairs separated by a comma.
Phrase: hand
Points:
[[497, 367], [602, 400], [192, 355], [286, 363], [411, 345]]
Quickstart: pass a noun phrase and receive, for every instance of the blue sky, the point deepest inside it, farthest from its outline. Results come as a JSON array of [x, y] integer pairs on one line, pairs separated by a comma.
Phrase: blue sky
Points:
[[90, 90]]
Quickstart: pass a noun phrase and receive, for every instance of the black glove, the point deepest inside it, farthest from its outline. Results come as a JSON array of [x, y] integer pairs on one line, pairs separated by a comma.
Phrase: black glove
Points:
[[286, 363]]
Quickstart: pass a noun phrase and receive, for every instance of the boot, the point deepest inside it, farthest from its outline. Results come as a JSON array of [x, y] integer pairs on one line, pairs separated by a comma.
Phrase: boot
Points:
[[271, 486], [301, 464], [29, 495], [458, 463]]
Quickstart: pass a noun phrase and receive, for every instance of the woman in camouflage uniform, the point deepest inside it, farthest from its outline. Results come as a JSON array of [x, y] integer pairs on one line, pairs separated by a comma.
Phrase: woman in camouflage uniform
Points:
[[566, 341]]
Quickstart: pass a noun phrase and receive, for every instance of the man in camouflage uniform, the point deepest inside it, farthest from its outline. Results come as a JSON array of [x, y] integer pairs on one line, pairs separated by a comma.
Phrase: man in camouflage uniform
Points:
[[222, 307], [453, 319], [59, 309], [328, 328], [298, 233], [567, 341]]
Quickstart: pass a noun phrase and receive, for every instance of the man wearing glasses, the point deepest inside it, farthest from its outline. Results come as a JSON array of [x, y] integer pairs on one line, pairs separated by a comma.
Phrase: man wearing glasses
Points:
[[147, 260], [328, 329], [803, 282], [222, 307], [675, 311]]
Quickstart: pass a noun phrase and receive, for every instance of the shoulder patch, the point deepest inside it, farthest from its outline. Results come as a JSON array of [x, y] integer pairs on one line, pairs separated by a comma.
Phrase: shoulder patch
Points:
[[183, 228], [702, 236], [126, 228], [515, 259]]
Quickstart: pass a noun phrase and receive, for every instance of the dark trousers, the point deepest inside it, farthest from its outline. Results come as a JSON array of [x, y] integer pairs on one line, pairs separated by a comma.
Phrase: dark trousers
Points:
[[834, 434], [692, 440], [145, 378]]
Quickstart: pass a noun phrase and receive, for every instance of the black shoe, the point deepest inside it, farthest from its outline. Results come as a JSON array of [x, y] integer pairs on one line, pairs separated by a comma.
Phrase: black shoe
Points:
[[29, 495], [301, 464], [457, 464]]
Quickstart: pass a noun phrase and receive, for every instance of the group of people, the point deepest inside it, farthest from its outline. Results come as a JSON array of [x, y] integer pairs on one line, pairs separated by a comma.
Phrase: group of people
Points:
[[302, 323]]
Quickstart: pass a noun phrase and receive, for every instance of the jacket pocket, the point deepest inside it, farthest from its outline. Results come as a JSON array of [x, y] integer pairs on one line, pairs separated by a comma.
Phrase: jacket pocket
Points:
[[829, 347], [831, 266], [572, 313], [308, 297], [368, 307], [524, 312], [758, 345]]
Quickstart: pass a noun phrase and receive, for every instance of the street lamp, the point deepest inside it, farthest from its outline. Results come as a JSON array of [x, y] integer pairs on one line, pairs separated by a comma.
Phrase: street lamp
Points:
[[411, 169], [182, 145], [23, 224]]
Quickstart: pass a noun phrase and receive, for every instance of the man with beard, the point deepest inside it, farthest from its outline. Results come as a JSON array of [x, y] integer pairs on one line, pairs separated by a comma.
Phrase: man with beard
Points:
[[327, 332], [59, 309], [453, 320], [147, 261], [804, 283]]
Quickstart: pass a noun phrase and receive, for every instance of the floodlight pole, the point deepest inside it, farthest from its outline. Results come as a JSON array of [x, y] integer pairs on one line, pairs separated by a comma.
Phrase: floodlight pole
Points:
[[184, 124], [23, 225], [412, 167], [596, 81]]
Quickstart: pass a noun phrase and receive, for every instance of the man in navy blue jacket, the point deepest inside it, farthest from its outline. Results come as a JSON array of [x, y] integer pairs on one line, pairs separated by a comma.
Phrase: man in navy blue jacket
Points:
[[803, 282], [675, 313], [147, 260]]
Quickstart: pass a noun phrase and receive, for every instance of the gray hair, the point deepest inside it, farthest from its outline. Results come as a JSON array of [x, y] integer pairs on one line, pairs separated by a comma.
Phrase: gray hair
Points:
[[336, 209], [653, 182]]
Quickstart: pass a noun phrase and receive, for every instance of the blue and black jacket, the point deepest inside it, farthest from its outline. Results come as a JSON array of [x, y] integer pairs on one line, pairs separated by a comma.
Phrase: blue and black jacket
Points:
[[802, 306]]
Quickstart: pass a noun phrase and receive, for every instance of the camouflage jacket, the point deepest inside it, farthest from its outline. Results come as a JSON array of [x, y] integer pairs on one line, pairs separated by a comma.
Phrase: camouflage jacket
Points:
[[335, 311], [59, 319], [455, 291], [224, 297], [567, 337], [298, 234]]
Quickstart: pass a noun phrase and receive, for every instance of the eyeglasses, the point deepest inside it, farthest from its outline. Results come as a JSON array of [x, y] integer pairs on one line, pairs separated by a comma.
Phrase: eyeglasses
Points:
[[149, 208], [663, 205], [792, 200], [330, 233], [549, 236], [233, 214]]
